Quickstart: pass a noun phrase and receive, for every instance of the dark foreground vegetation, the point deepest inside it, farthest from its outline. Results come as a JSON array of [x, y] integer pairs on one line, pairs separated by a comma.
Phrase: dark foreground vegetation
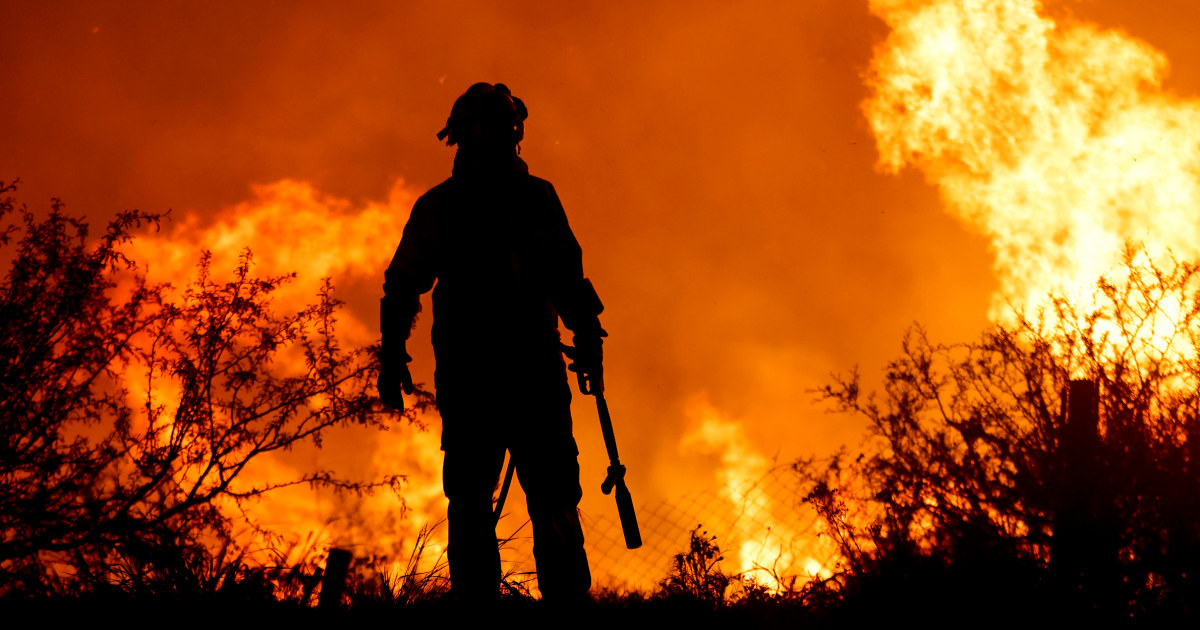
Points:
[[1047, 474]]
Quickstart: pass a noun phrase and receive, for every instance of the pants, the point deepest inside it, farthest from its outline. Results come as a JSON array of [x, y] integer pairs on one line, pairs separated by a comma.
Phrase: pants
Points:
[[537, 431]]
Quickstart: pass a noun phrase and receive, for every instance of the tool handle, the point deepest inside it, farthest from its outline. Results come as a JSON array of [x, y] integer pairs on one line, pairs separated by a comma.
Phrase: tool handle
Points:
[[606, 428], [629, 524], [616, 477]]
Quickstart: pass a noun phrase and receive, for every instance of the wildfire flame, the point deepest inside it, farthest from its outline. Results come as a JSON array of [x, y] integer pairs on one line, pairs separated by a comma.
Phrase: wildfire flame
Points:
[[770, 556], [1053, 138], [289, 226]]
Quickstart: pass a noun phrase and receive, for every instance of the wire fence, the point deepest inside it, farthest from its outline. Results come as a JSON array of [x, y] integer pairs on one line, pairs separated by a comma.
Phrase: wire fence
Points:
[[763, 528]]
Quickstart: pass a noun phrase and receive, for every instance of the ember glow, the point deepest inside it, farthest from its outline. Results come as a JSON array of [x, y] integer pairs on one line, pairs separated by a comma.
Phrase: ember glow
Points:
[[727, 167]]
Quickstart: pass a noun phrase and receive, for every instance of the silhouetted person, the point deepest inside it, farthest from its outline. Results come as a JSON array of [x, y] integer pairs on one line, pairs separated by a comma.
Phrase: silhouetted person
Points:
[[496, 241]]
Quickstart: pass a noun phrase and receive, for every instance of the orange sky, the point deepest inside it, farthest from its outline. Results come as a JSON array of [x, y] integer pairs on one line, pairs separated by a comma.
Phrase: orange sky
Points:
[[713, 159]]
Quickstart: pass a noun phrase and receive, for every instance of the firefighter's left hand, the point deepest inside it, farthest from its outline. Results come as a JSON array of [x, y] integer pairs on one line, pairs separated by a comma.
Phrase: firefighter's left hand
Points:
[[392, 381]]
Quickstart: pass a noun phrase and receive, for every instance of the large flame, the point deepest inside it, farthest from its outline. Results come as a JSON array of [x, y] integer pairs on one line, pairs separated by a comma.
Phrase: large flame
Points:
[[290, 227], [1053, 138]]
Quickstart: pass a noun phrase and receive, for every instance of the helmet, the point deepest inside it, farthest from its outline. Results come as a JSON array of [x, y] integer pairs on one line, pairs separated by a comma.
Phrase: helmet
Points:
[[485, 113]]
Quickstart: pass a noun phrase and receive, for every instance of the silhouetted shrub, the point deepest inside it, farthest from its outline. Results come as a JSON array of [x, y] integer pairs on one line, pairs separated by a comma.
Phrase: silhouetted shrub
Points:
[[696, 573], [129, 413], [968, 472]]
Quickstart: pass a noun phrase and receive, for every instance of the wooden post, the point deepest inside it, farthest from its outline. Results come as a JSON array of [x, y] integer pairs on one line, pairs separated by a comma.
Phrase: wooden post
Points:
[[1071, 547], [1083, 552], [333, 584]]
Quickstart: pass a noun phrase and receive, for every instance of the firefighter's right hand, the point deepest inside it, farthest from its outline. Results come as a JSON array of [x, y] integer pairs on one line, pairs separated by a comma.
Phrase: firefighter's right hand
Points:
[[588, 362], [392, 381]]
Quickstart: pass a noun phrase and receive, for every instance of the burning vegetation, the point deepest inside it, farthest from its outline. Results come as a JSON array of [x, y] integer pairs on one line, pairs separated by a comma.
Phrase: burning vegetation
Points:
[[133, 413], [1047, 462]]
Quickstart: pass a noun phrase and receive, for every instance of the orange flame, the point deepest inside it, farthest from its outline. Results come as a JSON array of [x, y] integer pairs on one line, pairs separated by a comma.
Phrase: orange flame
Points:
[[289, 226]]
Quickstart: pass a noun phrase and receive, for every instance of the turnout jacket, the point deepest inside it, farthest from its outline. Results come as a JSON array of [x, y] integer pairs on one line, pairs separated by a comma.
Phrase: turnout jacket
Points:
[[496, 242]]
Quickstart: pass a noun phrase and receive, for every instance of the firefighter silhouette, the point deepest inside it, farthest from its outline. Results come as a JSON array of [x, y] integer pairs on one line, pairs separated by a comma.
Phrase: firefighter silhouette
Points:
[[496, 242]]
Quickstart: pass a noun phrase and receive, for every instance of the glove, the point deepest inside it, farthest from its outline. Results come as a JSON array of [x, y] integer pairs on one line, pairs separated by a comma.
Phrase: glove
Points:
[[394, 378], [587, 361]]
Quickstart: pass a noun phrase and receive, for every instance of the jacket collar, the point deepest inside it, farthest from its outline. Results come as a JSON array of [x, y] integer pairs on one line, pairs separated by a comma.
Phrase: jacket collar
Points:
[[488, 165]]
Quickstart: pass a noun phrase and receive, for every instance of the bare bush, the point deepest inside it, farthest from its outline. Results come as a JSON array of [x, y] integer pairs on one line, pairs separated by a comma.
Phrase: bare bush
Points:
[[129, 412], [966, 465]]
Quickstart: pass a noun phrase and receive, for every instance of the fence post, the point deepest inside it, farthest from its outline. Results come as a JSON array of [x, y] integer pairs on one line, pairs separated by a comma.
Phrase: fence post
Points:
[[333, 584], [1075, 500], [1083, 550]]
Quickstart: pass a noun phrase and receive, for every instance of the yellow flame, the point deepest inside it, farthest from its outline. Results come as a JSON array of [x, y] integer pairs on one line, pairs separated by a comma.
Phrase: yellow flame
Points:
[[290, 226], [768, 548], [1055, 139]]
